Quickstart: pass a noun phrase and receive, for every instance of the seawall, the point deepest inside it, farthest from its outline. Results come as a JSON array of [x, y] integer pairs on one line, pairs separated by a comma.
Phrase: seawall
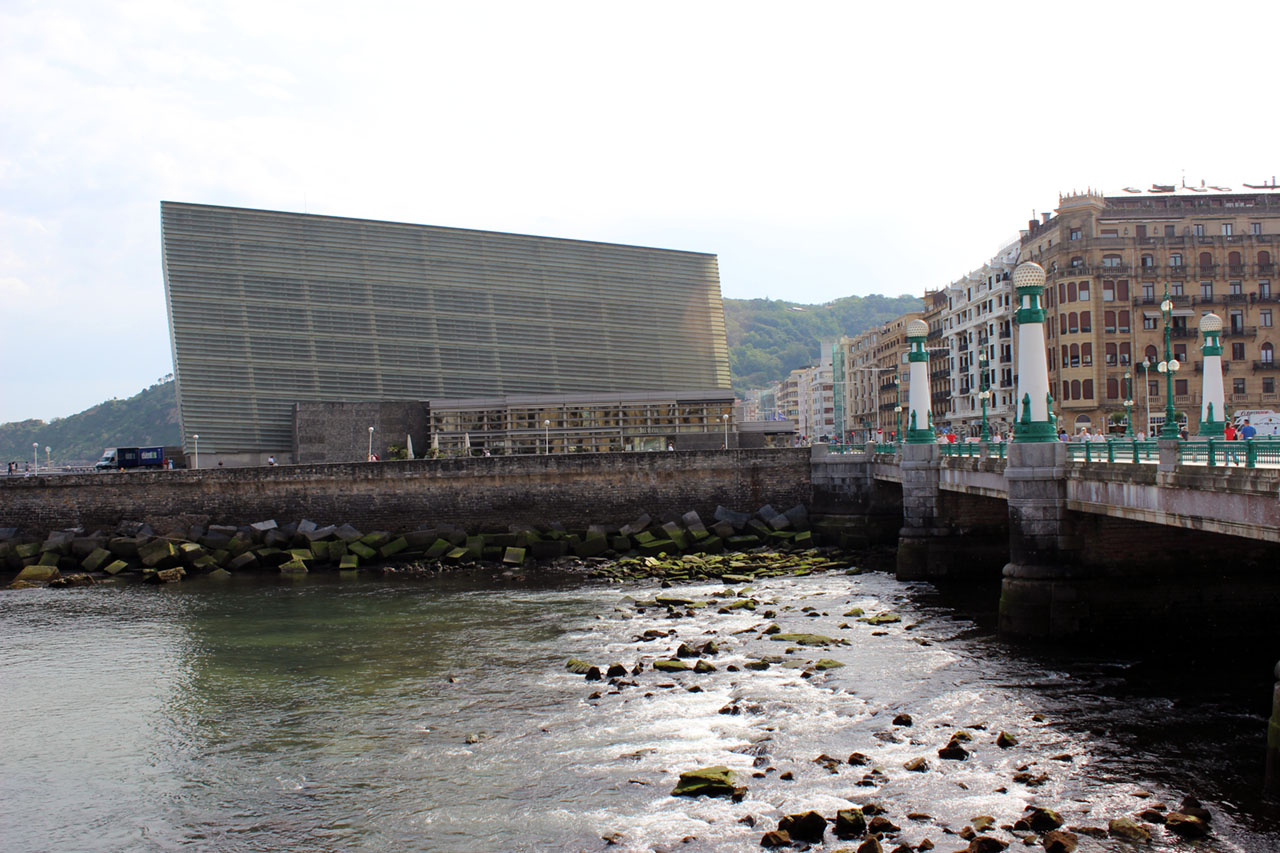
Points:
[[476, 493]]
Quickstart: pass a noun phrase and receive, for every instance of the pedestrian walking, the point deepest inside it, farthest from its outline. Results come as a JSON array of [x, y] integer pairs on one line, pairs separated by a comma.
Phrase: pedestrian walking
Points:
[[1248, 431], [1229, 435]]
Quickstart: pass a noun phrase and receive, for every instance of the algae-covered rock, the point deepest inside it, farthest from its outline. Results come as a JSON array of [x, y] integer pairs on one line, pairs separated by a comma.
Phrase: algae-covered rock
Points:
[[886, 618], [1188, 826], [95, 560], [1006, 740], [38, 574], [757, 665], [827, 663], [704, 667], [854, 613], [1128, 830], [166, 575], [671, 665], [717, 781], [805, 826], [578, 667], [115, 567], [293, 567], [850, 823], [809, 639], [513, 556]]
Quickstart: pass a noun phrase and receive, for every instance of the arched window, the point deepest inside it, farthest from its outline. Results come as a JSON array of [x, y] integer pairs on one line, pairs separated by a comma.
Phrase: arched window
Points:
[[1086, 354], [1062, 321], [1206, 260], [1062, 292], [1268, 354], [1075, 390], [1110, 354], [1086, 321], [1125, 353], [1086, 391], [1113, 389], [1233, 259], [1073, 322], [1077, 262], [1150, 354], [1066, 390], [1075, 355], [1066, 357], [1264, 259], [1111, 260], [1084, 291]]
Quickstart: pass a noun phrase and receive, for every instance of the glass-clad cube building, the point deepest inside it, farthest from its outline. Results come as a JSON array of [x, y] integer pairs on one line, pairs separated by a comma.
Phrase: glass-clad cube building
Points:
[[268, 309]]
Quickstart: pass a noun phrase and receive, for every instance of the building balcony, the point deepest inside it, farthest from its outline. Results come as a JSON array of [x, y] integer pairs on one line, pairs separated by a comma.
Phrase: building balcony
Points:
[[1150, 270], [1265, 365], [1237, 270], [1240, 332], [1181, 332]]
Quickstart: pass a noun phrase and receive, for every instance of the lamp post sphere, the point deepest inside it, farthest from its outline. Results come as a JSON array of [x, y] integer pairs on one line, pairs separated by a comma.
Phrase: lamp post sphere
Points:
[[1028, 274], [917, 329], [1166, 306], [1162, 367], [1211, 323], [1174, 364]]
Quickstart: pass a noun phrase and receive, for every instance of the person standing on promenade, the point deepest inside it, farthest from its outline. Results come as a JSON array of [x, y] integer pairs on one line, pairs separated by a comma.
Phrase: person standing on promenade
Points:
[[1248, 431]]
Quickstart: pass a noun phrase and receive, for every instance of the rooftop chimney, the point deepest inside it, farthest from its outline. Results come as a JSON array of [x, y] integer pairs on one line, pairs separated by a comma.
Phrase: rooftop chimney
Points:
[[1045, 218]]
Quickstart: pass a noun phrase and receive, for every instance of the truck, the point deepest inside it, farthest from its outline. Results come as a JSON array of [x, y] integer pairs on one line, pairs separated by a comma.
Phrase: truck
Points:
[[131, 457]]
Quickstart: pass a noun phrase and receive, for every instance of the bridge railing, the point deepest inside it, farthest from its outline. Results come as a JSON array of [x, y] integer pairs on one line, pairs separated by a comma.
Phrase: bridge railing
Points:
[[968, 449], [1114, 450], [1217, 451]]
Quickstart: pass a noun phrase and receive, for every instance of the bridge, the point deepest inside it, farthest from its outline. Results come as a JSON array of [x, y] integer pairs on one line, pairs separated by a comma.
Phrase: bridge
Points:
[[1091, 538]]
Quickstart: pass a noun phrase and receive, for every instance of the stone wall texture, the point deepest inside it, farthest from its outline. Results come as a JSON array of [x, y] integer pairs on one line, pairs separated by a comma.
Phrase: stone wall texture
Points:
[[477, 493]]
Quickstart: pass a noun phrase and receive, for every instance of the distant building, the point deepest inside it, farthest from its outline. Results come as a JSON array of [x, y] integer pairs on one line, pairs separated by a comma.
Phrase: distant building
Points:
[[270, 309], [1109, 259]]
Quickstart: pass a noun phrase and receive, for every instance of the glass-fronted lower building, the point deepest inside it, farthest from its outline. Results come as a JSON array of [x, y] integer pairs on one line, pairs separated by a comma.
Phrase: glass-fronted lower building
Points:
[[268, 309]]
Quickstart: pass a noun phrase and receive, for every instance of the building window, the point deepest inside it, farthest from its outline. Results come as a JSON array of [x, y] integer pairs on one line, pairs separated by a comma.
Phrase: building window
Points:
[[1125, 353], [1148, 321], [1062, 292], [1206, 291], [1180, 387], [1113, 389], [1071, 291], [1062, 321], [1075, 355], [1075, 390], [1108, 321], [1084, 291], [1086, 321], [1148, 261], [1206, 261], [1086, 389], [1199, 230], [1268, 385], [1170, 231], [1108, 291], [1073, 322], [1148, 292], [1264, 289], [1236, 287], [1226, 229], [1077, 262], [1075, 234], [1237, 351], [1150, 354], [1255, 227], [1175, 259], [1111, 260], [1153, 388], [1180, 352], [1237, 385], [1175, 287], [1086, 357], [1268, 353], [1122, 290], [1264, 317], [1110, 356]]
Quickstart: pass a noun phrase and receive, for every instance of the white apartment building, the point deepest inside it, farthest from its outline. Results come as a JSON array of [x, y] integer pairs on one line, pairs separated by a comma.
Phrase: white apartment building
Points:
[[977, 329]]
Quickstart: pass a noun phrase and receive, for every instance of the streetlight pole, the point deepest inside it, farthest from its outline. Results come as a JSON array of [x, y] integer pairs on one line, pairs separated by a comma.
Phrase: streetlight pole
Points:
[[1146, 381], [897, 409], [546, 437], [369, 458], [48, 457], [1168, 367], [984, 393], [197, 440], [35, 456], [1128, 404], [725, 418]]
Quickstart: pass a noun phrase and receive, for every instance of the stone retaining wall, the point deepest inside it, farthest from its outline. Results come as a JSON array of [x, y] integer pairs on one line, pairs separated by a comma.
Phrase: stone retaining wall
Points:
[[475, 493]]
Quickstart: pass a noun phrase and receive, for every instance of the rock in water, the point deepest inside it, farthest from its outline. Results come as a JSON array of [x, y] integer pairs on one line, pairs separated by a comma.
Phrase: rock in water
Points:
[[1188, 826], [775, 838], [1041, 820], [1059, 841], [806, 826], [986, 844], [850, 823], [1127, 830], [953, 751], [1006, 740], [714, 781]]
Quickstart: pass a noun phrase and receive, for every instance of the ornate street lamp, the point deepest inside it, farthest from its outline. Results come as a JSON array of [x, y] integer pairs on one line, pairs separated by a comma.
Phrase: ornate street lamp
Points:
[[1168, 367], [1128, 404]]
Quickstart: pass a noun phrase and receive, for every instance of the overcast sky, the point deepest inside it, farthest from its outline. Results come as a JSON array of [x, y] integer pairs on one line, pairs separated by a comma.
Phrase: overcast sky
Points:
[[820, 149]]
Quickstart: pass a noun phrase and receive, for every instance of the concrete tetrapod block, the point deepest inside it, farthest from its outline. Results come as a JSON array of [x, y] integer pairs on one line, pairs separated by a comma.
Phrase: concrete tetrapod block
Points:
[[98, 558]]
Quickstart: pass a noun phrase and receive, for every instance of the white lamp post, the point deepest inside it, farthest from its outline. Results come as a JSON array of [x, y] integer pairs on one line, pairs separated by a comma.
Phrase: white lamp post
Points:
[[35, 455], [725, 418], [48, 457], [197, 440], [1146, 381], [546, 437], [370, 457]]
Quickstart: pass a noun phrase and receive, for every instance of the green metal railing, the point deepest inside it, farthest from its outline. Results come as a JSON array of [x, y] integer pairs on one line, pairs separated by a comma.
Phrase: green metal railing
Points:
[[1217, 451], [1113, 450], [995, 449]]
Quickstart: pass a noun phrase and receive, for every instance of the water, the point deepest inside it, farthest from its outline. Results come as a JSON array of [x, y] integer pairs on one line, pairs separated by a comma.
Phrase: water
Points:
[[438, 715]]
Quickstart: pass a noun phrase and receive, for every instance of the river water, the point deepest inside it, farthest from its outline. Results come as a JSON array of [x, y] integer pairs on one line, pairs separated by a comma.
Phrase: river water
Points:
[[438, 715]]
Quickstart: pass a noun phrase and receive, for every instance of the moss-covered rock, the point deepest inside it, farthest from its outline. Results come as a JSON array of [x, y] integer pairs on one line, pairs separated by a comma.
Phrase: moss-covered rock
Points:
[[717, 781], [671, 665], [809, 639]]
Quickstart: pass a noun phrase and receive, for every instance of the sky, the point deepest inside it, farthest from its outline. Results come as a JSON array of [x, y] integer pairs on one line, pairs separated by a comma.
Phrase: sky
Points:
[[819, 149]]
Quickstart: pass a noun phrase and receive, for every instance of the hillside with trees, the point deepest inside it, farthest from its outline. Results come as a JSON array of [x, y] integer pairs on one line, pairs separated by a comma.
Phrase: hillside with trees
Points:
[[146, 419], [769, 338]]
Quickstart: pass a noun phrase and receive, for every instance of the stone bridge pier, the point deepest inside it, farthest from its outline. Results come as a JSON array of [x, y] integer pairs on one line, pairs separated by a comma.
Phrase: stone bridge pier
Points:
[[1041, 594]]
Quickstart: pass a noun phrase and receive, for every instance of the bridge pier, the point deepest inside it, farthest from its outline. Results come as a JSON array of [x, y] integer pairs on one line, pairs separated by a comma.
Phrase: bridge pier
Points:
[[1045, 590]]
